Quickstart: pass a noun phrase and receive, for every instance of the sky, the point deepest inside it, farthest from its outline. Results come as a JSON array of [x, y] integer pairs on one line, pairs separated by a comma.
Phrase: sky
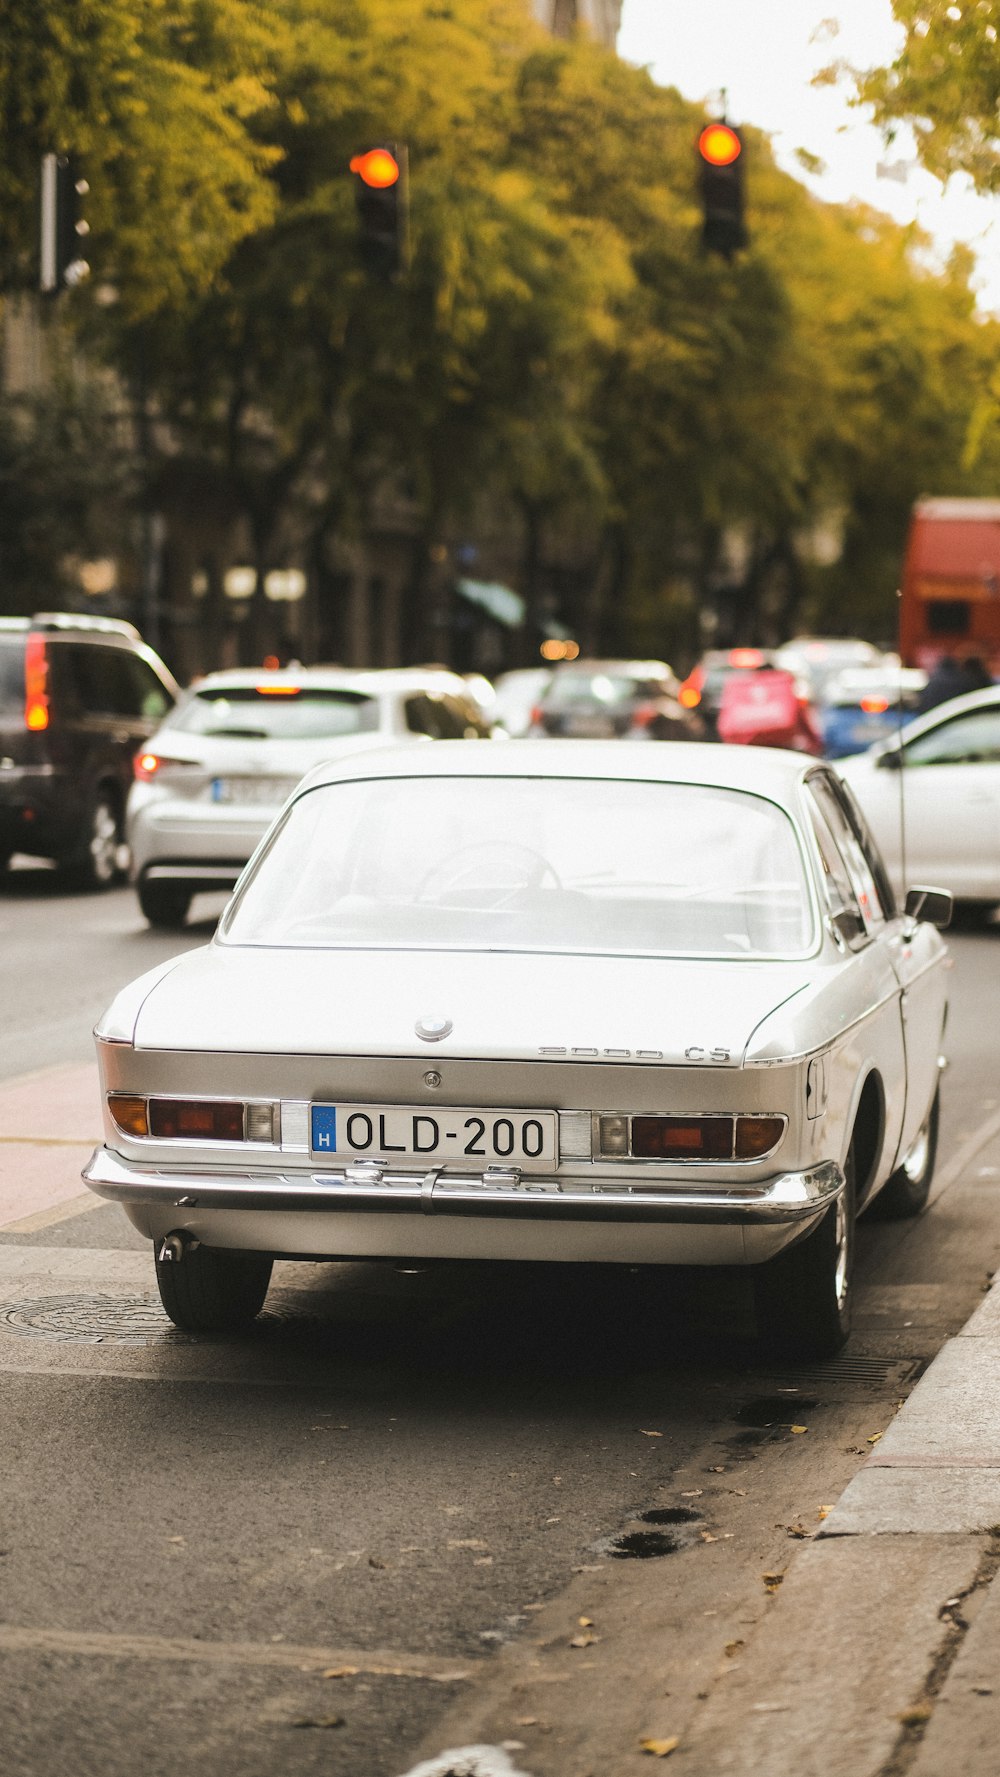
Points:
[[764, 53]]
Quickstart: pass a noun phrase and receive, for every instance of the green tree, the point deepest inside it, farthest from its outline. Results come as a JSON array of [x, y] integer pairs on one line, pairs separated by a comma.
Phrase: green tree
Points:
[[945, 82]]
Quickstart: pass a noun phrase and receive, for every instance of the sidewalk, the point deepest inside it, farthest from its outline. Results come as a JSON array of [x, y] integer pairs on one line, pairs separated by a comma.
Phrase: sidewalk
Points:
[[50, 1122], [882, 1654]]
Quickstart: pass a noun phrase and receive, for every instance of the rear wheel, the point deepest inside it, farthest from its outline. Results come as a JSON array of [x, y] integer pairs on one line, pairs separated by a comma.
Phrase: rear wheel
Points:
[[212, 1291], [165, 903], [97, 863], [804, 1297], [907, 1191]]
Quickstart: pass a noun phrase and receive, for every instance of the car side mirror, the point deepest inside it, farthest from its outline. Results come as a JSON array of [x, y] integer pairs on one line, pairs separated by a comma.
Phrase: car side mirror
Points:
[[932, 906], [848, 925], [890, 760]]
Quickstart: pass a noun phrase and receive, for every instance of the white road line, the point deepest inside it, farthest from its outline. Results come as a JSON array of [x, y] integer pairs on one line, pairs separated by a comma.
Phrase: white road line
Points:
[[48, 1218], [337, 1661]]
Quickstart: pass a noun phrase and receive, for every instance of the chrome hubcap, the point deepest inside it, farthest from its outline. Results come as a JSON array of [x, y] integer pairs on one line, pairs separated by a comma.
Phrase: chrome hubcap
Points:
[[104, 842], [915, 1163], [842, 1236]]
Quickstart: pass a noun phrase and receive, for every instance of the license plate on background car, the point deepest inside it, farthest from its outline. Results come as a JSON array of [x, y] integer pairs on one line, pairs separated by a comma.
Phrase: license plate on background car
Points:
[[413, 1132], [261, 791]]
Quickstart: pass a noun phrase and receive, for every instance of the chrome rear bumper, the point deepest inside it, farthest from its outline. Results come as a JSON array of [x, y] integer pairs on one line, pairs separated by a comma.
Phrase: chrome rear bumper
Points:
[[366, 1188]]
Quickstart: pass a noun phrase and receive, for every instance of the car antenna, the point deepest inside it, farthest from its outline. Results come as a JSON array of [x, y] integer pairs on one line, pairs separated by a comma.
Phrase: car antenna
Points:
[[902, 762]]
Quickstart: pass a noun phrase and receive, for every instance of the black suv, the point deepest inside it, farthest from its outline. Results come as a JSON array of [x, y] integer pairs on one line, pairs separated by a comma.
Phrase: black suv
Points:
[[78, 696]]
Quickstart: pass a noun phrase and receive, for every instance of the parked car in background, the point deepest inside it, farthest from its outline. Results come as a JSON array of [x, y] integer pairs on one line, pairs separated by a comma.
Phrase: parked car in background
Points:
[[768, 708], [703, 687], [816, 658], [539, 1001], [517, 694], [865, 704], [210, 781], [932, 797], [615, 699], [78, 696]]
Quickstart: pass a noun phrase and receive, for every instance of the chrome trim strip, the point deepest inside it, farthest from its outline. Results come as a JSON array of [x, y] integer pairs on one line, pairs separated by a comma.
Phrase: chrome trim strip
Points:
[[787, 1197]]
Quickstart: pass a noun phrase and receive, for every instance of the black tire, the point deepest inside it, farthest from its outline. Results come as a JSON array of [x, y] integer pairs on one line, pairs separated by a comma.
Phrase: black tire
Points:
[[95, 864], [905, 1194], [804, 1297], [165, 903], [212, 1291]]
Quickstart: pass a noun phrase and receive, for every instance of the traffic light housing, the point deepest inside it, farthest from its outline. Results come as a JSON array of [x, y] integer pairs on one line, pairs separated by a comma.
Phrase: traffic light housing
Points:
[[382, 200], [63, 226], [720, 162]]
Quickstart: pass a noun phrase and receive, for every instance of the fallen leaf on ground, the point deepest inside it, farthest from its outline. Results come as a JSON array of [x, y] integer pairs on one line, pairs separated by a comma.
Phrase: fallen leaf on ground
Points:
[[693, 1493], [375, 1561], [660, 1748], [341, 1672], [911, 1718], [772, 1581], [799, 1428], [584, 1640], [875, 1438], [318, 1721], [651, 1434], [717, 1468], [706, 1536], [733, 1647], [585, 1622], [824, 1512]]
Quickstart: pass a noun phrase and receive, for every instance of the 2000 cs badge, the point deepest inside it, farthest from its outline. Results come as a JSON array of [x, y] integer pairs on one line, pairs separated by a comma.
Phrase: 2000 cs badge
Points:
[[545, 1001]]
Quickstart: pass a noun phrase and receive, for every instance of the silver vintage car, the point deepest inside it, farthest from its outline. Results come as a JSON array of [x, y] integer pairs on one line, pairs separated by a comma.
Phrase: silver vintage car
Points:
[[545, 1001]]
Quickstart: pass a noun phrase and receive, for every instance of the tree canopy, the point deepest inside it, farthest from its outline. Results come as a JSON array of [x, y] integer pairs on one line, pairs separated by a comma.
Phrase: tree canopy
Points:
[[561, 355]]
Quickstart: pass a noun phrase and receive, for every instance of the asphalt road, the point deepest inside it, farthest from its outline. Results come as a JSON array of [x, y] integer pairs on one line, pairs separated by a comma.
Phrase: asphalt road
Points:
[[315, 1549]]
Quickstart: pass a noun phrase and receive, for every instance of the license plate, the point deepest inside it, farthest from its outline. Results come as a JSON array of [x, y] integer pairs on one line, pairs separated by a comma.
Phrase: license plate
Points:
[[256, 791], [590, 727], [445, 1135]]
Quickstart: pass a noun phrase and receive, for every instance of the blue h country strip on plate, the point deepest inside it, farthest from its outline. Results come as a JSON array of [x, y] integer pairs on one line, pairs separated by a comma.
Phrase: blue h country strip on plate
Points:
[[324, 1129]]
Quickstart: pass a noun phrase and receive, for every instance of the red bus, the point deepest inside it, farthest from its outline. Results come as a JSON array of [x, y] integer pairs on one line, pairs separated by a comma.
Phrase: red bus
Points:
[[950, 594]]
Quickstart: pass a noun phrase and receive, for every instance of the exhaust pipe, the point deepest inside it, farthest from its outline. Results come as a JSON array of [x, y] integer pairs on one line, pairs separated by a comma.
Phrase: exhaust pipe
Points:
[[174, 1247]]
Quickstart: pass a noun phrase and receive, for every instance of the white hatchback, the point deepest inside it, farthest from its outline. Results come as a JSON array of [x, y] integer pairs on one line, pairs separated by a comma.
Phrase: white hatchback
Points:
[[211, 779]]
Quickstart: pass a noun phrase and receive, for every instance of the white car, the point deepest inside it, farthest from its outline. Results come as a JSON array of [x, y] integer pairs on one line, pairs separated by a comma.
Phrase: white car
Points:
[[552, 1000], [932, 796], [210, 780]]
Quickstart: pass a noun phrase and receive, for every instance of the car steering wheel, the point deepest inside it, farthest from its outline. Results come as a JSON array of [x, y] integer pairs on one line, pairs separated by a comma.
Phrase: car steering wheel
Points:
[[499, 868]]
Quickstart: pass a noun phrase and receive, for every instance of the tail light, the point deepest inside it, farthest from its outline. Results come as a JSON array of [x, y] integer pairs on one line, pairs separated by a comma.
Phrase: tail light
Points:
[[536, 716], [690, 696], [36, 684], [194, 1119], [690, 1138], [874, 706], [147, 766]]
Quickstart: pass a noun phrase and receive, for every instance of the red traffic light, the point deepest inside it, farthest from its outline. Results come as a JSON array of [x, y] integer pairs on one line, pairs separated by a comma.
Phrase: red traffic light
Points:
[[377, 168], [719, 145]]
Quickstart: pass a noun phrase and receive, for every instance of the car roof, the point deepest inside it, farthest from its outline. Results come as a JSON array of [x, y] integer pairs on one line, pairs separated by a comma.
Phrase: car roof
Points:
[[765, 771], [370, 680]]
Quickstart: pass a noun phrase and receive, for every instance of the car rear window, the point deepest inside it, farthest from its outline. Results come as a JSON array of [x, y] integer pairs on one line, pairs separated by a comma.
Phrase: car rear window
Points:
[[288, 713], [605, 866], [601, 688], [11, 675]]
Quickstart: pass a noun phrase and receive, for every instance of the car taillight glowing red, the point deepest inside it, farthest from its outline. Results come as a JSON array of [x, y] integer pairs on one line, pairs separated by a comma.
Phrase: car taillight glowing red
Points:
[[690, 696], [36, 684], [874, 706], [146, 766]]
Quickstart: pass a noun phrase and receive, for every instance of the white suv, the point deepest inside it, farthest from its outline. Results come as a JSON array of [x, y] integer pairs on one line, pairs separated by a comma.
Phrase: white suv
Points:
[[210, 781]]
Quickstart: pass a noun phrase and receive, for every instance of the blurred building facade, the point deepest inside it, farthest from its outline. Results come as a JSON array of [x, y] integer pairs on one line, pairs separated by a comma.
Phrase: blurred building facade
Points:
[[603, 17]]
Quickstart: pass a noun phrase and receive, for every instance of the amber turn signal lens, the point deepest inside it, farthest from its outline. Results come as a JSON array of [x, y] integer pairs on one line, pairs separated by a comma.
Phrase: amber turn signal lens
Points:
[[756, 1136], [196, 1119], [128, 1114], [682, 1138]]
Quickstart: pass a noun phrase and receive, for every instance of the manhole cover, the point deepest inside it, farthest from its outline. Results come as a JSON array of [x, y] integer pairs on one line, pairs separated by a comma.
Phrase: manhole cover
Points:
[[87, 1320]]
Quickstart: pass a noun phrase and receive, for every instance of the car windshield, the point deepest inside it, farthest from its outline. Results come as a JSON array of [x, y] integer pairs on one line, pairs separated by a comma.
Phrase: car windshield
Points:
[[606, 866], [604, 688], [292, 712]]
